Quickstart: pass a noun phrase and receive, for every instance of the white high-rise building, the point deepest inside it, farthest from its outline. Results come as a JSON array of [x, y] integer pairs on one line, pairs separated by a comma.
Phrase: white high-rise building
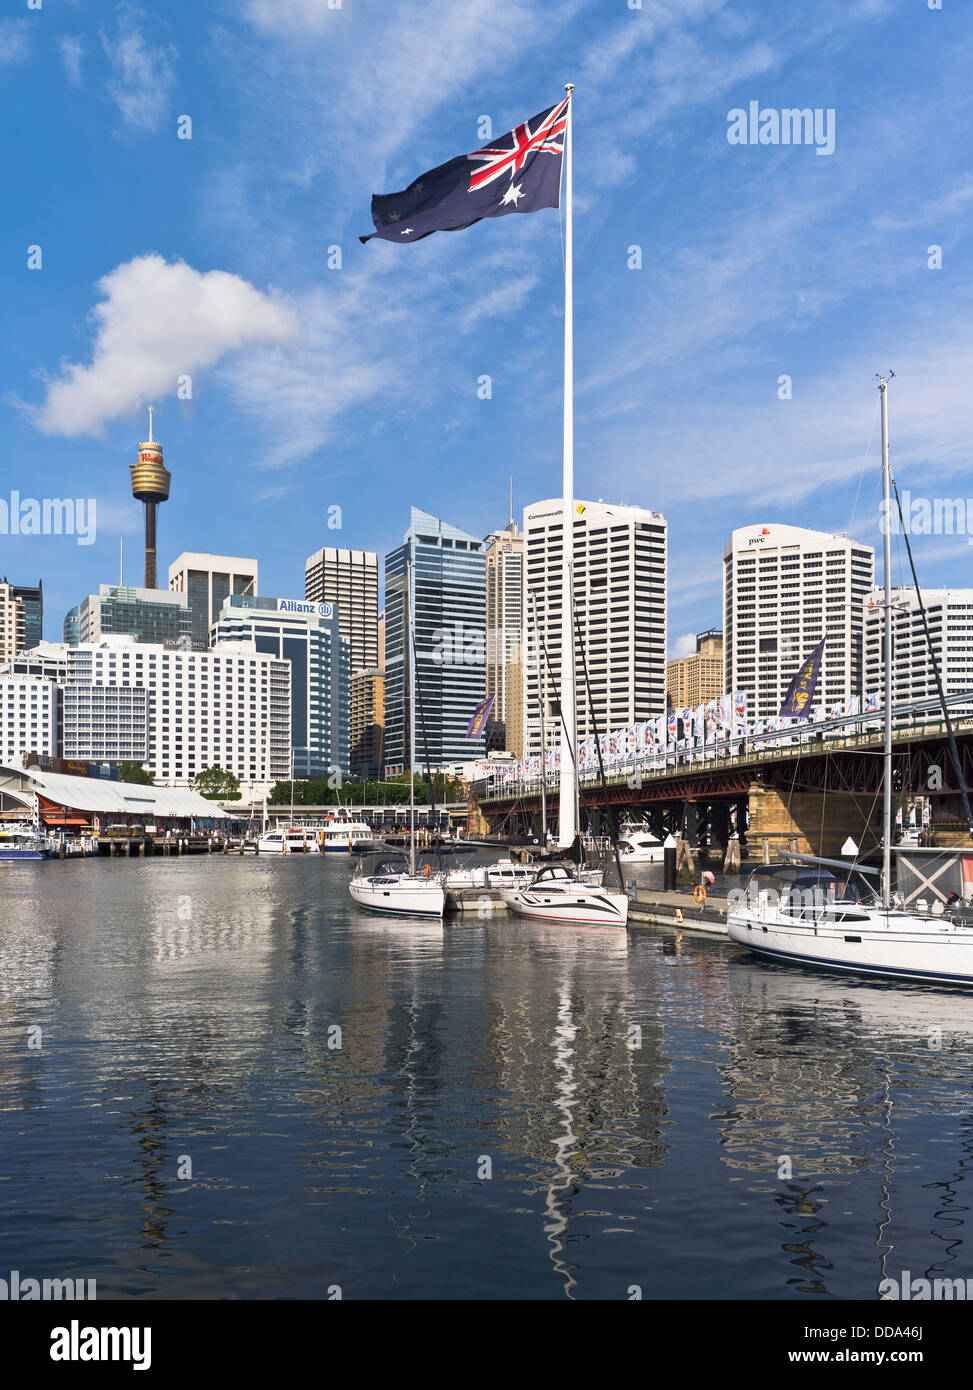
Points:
[[28, 717], [620, 582], [950, 616], [226, 706], [784, 588]]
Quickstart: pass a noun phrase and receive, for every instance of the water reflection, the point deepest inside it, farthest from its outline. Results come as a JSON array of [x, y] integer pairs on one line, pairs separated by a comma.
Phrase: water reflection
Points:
[[338, 1079]]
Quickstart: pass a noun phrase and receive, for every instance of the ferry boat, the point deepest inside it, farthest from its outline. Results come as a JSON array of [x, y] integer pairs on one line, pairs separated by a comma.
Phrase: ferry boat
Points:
[[25, 842], [288, 839], [341, 833]]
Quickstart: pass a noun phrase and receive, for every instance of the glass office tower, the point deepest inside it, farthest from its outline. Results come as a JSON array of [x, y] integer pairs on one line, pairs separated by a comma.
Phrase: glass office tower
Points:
[[447, 575]]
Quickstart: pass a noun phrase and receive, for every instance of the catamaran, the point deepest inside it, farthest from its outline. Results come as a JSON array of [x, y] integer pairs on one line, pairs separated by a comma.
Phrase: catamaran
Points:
[[393, 886], [875, 935]]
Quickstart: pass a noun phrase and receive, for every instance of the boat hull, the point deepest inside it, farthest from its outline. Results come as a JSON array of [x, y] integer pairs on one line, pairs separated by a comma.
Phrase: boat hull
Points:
[[400, 899], [571, 908], [939, 955]]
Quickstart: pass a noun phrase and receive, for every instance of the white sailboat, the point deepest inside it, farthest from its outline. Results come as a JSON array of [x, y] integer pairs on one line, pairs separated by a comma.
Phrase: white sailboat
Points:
[[870, 937], [393, 887]]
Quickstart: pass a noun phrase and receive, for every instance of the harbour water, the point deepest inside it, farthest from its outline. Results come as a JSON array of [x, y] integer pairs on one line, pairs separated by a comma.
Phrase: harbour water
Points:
[[507, 1111]]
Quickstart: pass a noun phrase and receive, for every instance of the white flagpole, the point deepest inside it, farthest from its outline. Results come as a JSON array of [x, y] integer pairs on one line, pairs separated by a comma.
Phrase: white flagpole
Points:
[[567, 800]]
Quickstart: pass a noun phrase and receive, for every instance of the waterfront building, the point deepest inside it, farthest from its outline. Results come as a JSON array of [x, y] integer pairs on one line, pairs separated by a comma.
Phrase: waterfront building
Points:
[[694, 680], [620, 581], [446, 568], [207, 580], [950, 616], [504, 642], [148, 615], [784, 588], [227, 705], [29, 716], [348, 579], [307, 635]]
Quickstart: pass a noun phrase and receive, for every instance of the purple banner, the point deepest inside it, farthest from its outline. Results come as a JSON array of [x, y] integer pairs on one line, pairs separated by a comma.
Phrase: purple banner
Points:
[[800, 692]]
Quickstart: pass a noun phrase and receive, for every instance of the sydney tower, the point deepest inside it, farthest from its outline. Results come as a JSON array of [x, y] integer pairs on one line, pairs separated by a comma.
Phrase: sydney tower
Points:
[[150, 484]]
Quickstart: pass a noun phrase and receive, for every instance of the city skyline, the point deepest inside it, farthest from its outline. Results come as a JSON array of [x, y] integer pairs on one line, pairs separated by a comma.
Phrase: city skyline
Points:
[[281, 423]]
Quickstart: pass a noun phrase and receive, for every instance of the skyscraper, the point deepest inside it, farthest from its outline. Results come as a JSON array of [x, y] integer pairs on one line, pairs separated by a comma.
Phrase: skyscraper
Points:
[[620, 579], [696, 679], [447, 598], [348, 578], [207, 580], [31, 600], [367, 714], [308, 636], [784, 588], [504, 626], [950, 616]]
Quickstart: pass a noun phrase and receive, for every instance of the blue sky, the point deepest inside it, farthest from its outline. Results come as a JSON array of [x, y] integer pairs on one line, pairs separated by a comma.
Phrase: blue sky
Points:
[[357, 387]]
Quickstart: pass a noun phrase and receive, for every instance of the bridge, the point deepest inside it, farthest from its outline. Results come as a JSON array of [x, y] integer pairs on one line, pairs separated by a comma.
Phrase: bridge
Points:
[[807, 787]]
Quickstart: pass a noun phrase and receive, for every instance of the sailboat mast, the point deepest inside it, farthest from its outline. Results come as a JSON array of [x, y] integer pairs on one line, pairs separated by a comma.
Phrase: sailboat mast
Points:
[[567, 804], [887, 554]]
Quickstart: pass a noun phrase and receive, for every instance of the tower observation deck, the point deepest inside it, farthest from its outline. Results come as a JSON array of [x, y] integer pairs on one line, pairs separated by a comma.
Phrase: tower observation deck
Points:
[[150, 485]]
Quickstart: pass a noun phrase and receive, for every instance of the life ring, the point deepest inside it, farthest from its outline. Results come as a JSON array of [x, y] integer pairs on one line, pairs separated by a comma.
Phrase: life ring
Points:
[[699, 893], [426, 870]]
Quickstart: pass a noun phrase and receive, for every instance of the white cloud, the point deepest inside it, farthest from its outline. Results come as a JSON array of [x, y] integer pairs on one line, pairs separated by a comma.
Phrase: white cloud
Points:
[[156, 322], [684, 646], [142, 76], [72, 47], [14, 40]]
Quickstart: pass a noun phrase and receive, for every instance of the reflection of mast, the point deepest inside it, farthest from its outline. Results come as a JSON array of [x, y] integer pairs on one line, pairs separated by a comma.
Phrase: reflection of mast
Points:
[[565, 1140]]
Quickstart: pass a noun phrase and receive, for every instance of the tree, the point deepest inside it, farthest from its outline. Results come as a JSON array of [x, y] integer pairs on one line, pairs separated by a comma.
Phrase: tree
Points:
[[135, 772], [217, 785]]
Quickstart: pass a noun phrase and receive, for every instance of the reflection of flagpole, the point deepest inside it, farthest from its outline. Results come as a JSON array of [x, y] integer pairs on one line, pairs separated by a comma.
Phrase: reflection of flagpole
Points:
[[567, 815]]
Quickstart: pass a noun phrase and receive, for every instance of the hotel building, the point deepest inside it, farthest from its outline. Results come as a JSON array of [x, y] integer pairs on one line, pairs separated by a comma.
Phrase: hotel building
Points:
[[29, 717], [694, 680], [504, 628], [950, 616], [207, 580], [620, 578], [446, 570], [307, 635], [177, 711], [784, 588], [348, 579]]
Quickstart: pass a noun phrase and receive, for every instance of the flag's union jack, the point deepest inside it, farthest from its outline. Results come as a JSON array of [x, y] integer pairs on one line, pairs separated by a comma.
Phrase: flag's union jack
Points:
[[547, 137]]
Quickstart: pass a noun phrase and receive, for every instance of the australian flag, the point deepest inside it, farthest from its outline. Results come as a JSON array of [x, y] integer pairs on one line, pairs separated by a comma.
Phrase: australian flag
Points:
[[800, 692], [520, 172]]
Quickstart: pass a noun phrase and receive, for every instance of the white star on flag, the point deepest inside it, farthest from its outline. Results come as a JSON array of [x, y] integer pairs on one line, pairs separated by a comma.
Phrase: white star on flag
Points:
[[513, 194]]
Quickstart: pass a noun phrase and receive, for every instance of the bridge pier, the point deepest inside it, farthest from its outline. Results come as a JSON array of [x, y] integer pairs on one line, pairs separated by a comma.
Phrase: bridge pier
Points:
[[812, 822]]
